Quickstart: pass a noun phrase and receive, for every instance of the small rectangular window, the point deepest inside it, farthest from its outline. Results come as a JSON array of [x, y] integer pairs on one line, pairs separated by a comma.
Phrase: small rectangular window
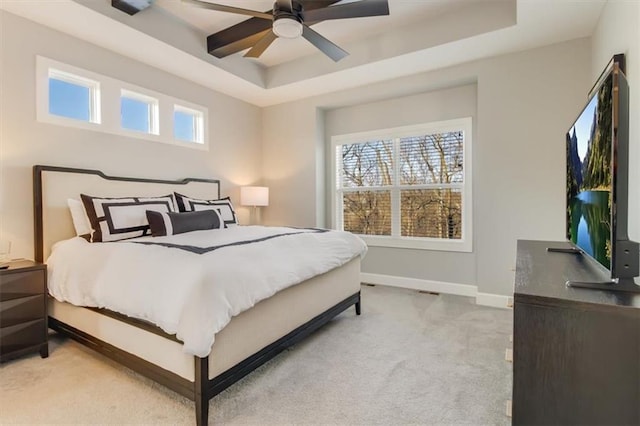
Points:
[[188, 124], [138, 112], [74, 97]]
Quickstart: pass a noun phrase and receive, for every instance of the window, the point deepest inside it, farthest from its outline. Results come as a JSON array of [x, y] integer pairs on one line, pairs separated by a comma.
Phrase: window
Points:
[[138, 112], [406, 187], [187, 124], [74, 97]]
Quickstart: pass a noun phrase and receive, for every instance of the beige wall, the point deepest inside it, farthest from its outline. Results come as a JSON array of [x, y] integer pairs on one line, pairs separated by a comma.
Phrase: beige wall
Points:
[[618, 31], [437, 105], [290, 149], [525, 103], [234, 128]]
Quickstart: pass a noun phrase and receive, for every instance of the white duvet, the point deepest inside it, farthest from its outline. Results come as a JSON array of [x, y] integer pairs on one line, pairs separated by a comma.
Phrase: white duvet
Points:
[[188, 294]]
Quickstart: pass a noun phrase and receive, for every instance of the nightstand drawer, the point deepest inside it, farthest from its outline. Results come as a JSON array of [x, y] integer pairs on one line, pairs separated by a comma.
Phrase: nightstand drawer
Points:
[[21, 284], [21, 336], [21, 310]]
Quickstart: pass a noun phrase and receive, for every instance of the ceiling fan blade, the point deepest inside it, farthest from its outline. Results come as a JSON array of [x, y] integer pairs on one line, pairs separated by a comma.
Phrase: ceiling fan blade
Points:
[[327, 47], [262, 45], [359, 9], [222, 8], [245, 34], [237, 33], [285, 5], [238, 45], [317, 4]]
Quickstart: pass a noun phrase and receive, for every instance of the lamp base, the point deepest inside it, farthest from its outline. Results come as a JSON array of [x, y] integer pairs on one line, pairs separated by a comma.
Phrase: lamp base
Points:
[[254, 218]]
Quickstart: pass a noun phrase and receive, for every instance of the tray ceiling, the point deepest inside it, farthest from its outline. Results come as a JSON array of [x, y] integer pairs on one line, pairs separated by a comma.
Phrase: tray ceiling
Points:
[[417, 36]]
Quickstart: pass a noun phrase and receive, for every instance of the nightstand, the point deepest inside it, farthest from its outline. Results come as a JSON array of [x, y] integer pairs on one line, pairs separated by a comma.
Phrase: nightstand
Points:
[[23, 309]]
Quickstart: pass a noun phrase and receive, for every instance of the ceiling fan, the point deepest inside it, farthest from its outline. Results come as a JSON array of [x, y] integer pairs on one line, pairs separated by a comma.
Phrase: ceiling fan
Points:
[[287, 19]]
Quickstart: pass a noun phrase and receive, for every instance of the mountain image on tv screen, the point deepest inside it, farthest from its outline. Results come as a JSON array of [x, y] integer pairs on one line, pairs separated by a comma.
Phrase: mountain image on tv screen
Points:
[[589, 177]]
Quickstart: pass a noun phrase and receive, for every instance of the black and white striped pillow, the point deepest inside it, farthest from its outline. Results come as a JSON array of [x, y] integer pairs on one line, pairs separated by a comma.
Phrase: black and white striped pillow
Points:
[[223, 206], [162, 224], [114, 219]]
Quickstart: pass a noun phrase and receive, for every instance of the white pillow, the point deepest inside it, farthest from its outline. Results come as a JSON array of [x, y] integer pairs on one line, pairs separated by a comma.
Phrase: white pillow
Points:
[[223, 206], [115, 219], [79, 217]]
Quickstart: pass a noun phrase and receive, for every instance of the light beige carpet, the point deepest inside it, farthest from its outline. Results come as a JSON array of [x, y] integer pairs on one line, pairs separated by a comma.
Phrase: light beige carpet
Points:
[[411, 358]]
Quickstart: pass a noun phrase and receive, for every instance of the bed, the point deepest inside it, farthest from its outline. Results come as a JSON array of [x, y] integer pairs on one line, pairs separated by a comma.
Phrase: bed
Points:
[[250, 338]]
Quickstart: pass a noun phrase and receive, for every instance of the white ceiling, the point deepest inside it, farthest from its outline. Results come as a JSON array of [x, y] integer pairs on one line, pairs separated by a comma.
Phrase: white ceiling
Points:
[[418, 36]]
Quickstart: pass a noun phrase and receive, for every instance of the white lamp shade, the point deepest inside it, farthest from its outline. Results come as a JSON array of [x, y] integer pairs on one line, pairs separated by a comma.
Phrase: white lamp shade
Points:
[[254, 196]]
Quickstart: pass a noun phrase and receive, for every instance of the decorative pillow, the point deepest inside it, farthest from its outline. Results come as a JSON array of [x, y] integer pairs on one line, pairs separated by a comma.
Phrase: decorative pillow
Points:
[[177, 223], [79, 218], [223, 206], [114, 219]]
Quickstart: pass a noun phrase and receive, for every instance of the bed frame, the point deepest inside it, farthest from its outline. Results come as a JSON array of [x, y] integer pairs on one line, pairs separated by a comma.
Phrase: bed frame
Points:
[[52, 222]]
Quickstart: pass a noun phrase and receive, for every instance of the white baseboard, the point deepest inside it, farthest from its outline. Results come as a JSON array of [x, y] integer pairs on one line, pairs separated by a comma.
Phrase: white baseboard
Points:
[[485, 299], [419, 284], [494, 300]]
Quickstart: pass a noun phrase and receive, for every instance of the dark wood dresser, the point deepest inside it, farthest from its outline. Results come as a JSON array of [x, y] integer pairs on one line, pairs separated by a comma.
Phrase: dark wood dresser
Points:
[[576, 352], [23, 309]]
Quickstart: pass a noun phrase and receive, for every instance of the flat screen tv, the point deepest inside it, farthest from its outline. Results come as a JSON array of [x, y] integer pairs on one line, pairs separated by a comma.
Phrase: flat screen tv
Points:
[[597, 182]]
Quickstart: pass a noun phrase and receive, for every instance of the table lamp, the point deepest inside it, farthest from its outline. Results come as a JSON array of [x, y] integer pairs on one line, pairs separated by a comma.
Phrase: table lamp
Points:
[[254, 196]]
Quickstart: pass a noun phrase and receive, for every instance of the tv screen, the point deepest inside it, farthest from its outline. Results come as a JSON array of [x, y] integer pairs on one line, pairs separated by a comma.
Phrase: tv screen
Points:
[[589, 176]]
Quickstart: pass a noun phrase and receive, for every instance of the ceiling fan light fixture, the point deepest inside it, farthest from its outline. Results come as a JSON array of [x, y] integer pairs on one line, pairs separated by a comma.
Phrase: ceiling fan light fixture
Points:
[[287, 27]]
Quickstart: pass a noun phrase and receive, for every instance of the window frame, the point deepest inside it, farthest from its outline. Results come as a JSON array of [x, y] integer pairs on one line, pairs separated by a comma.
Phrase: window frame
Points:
[[154, 111], [465, 243], [108, 106], [77, 78], [200, 122]]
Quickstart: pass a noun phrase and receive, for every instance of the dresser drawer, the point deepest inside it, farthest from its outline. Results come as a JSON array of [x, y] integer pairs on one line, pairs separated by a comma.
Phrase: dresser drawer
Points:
[[21, 336], [16, 311], [21, 284]]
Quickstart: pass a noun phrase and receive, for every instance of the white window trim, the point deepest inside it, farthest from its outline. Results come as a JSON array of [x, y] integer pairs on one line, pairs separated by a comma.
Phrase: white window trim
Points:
[[71, 75], [94, 94], [108, 106], [154, 114], [465, 244], [200, 124]]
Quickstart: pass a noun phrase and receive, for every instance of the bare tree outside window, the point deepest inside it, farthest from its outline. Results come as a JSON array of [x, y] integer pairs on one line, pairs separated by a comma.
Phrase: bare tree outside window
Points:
[[367, 212], [367, 164], [436, 160], [432, 213], [423, 175]]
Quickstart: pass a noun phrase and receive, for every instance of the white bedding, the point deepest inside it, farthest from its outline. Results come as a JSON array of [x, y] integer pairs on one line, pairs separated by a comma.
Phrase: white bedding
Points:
[[196, 284]]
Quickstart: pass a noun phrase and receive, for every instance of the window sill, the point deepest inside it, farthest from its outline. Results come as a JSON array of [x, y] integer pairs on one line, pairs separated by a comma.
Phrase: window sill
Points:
[[418, 243]]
